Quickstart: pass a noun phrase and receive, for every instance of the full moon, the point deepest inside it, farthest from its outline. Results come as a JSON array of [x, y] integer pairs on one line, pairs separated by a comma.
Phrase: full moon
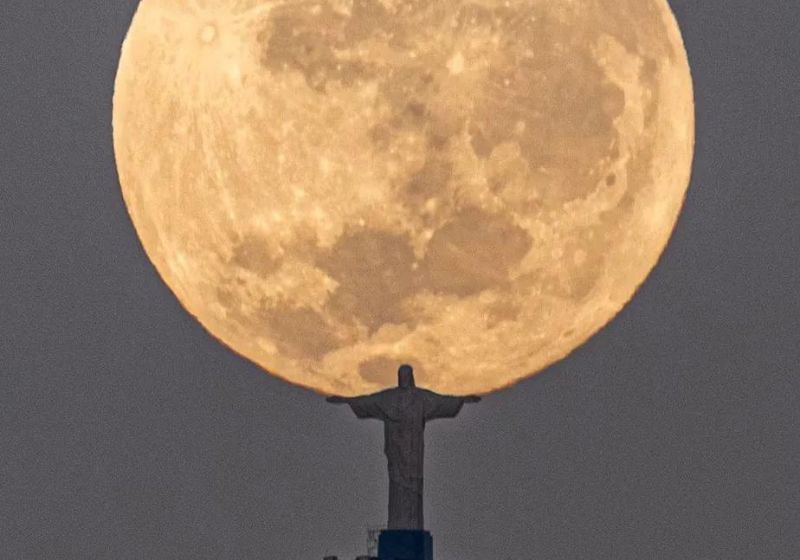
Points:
[[334, 187]]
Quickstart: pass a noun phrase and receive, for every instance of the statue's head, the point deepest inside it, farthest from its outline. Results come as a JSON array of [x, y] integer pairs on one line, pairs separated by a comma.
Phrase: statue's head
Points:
[[405, 376]]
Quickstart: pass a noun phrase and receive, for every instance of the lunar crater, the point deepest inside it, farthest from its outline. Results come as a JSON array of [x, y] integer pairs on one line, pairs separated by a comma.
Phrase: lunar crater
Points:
[[473, 187]]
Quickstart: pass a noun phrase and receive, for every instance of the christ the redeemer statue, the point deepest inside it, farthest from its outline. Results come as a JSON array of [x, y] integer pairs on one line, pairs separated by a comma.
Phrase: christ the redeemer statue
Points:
[[404, 410]]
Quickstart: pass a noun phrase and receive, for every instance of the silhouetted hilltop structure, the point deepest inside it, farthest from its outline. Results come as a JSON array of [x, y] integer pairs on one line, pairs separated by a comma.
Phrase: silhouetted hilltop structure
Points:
[[404, 411]]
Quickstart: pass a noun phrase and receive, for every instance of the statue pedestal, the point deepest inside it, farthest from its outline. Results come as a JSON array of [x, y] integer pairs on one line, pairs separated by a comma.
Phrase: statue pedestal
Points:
[[405, 545]]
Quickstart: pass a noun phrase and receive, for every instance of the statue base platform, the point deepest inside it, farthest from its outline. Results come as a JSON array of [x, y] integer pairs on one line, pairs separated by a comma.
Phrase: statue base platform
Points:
[[405, 545]]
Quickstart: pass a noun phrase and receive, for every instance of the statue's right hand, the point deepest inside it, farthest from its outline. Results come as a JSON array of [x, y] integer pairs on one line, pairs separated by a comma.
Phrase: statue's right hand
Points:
[[336, 399]]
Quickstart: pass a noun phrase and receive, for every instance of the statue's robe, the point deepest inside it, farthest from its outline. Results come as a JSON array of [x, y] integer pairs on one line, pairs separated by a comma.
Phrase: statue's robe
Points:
[[404, 412]]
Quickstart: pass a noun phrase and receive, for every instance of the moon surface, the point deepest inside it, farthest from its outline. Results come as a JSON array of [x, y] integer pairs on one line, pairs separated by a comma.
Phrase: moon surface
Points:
[[333, 187]]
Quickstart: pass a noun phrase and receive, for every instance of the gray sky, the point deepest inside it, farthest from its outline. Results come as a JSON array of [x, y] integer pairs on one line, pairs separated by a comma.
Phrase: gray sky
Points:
[[127, 432]]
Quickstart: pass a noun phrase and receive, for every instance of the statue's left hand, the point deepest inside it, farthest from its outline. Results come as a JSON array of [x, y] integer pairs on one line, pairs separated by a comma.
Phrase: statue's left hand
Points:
[[336, 399]]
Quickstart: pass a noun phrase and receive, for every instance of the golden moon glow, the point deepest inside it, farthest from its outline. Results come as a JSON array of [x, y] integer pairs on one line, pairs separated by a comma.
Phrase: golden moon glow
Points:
[[333, 187]]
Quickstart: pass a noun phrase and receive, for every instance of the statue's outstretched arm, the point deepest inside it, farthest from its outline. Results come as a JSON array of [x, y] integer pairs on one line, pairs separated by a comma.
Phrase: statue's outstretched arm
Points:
[[445, 406], [367, 406]]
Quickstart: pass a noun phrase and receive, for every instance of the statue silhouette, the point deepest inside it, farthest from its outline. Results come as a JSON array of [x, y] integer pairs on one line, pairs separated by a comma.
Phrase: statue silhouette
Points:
[[404, 410]]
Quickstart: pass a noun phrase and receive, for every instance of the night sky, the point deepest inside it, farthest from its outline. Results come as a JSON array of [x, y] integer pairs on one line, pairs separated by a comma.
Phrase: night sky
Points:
[[128, 432]]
